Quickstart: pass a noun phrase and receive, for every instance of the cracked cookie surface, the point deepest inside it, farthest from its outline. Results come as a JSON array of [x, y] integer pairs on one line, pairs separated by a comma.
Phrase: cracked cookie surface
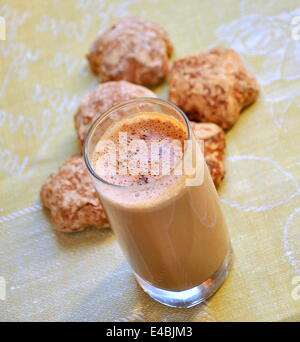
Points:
[[72, 199], [212, 86], [133, 50]]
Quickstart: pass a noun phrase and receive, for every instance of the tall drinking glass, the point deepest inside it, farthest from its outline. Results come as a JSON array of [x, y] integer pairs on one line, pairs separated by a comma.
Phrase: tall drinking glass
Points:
[[171, 229]]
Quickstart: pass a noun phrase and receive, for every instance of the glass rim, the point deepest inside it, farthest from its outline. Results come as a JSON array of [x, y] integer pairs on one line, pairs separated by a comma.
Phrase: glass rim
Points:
[[106, 114]]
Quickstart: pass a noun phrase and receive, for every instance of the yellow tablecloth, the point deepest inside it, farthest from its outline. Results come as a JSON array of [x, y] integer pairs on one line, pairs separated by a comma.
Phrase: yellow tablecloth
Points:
[[84, 276]]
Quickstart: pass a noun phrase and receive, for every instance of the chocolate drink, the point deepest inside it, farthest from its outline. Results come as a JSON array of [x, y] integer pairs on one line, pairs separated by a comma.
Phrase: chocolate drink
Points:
[[174, 235]]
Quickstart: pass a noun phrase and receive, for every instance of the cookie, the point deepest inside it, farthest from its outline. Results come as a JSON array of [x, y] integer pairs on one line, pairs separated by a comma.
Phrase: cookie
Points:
[[102, 98], [133, 50], [213, 86], [214, 147], [70, 195]]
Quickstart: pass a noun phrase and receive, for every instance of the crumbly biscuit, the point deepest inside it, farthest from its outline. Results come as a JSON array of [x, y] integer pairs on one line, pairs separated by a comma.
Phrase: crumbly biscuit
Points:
[[213, 86], [214, 146], [133, 50], [72, 199], [102, 98]]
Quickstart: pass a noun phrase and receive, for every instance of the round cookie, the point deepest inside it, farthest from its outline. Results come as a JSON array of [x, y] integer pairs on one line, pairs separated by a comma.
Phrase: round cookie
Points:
[[214, 147], [133, 50], [102, 98], [72, 199], [213, 86]]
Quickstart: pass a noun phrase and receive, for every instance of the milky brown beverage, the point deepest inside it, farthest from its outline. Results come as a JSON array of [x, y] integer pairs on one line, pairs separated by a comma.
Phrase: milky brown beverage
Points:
[[174, 235]]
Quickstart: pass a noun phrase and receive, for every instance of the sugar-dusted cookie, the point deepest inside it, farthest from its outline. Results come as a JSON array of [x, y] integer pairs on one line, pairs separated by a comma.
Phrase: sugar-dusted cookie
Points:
[[102, 98], [72, 199], [133, 50], [213, 86], [214, 146]]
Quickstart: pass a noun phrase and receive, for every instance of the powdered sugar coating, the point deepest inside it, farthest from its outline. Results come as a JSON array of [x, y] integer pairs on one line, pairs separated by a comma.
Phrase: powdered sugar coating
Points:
[[134, 50], [102, 98], [213, 86], [70, 195], [214, 146]]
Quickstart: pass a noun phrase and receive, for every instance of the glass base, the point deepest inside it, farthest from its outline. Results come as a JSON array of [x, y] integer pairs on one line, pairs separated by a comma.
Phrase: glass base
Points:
[[193, 296]]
